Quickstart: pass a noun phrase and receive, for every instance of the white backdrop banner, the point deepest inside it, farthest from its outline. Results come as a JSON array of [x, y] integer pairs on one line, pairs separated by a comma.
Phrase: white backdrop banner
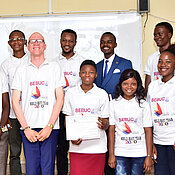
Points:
[[125, 26]]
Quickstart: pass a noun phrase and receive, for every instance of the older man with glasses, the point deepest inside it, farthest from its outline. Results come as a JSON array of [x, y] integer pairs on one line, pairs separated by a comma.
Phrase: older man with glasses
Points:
[[39, 83]]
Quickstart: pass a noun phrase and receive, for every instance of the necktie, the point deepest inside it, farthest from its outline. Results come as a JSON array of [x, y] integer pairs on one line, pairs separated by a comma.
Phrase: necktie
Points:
[[106, 68]]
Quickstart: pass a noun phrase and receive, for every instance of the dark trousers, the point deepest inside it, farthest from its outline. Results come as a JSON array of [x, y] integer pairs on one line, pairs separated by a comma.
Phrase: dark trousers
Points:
[[108, 170], [165, 160], [40, 155], [15, 142], [62, 148]]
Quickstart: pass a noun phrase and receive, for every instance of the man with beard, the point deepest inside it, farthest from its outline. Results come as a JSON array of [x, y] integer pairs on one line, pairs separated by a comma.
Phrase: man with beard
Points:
[[108, 73], [70, 63], [163, 33]]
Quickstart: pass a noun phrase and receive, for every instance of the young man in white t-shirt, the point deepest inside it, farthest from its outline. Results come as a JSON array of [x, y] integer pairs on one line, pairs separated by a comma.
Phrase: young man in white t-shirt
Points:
[[163, 33], [4, 114], [70, 63], [39, 83], [17, 42]]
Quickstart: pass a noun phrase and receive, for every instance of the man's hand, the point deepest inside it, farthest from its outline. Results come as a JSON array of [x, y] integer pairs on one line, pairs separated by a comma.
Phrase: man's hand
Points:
[[44, 133], [31, 134]]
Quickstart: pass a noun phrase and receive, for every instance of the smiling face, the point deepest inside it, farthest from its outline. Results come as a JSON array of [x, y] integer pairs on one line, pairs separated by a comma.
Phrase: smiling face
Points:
[[107, 45], [17, 41], [87, 74], [68, 43], [162, 36], [129, 88], [166, 65], [36, 48]]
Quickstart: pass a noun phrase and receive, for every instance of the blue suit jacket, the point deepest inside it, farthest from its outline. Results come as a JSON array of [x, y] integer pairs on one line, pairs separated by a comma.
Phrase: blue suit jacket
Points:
[[119, 64]]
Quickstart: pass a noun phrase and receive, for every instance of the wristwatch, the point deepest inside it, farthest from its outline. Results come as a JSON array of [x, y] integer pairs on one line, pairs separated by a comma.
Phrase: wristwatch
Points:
[[51, 126]]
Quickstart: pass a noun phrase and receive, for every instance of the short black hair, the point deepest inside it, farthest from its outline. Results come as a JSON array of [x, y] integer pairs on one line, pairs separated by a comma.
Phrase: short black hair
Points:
[[170, 49], [167, 25], [88, 62], [16, 31], [109, 33], [69, 31]]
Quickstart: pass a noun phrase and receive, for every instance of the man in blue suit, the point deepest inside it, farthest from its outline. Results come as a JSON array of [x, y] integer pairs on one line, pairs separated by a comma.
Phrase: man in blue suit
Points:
[[115, 65], [108, 73]]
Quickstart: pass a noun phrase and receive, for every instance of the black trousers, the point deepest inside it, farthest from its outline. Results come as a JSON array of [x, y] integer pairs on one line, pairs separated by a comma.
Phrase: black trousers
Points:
[[108, 170], [62, 148]]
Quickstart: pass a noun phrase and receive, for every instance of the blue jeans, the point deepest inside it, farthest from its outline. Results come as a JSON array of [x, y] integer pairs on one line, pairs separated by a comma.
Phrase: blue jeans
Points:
[[40, 156], [165, 160], [130, 165]]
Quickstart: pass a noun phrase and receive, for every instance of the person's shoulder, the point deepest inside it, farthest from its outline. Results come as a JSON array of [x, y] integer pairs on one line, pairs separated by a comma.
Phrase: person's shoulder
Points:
[[153, 56], [121, 59], [72, 90], [6, 62], [100, 90], [100, 62]]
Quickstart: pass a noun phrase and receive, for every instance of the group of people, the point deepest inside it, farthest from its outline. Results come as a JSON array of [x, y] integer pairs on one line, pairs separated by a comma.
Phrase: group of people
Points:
[[133, 131]]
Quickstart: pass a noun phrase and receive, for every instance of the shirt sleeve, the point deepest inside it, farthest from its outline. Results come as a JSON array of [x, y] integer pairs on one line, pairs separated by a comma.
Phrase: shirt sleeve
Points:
[[4, 82], [147, 70], [147, 118], [67, 109], [60, 80], [112, 114], [17, 80], [105, 106]]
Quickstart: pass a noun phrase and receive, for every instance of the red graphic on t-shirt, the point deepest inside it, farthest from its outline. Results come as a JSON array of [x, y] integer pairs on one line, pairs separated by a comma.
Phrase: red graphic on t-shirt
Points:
[[36, 94], [127, 129], [159, 110], [67, 82]]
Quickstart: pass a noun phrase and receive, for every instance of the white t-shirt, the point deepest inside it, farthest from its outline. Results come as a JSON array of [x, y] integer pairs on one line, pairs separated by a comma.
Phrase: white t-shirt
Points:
[[9, 66], [151, 66], [130, 119], [3, 88], [71, 69], [93, 102], [161, 97], [38, 91]]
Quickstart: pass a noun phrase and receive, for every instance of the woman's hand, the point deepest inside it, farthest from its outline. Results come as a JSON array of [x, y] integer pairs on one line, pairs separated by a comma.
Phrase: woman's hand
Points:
[[112, 161], [76, 142], [148, 163], [103, 123]]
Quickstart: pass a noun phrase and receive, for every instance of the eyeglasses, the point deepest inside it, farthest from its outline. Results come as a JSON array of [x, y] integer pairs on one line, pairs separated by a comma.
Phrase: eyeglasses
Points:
[[32, 41], [16, 39]]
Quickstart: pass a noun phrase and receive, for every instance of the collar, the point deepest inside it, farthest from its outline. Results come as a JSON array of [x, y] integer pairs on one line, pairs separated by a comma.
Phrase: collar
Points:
[[171, 81], [44, 63], [15, 58], [110, 59], [61, 57], [133, 100], [90, 91]]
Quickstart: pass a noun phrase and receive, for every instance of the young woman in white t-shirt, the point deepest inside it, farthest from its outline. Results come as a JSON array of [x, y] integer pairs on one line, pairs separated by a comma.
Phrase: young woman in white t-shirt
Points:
[[130, 130], [161, 96], [87, 156]]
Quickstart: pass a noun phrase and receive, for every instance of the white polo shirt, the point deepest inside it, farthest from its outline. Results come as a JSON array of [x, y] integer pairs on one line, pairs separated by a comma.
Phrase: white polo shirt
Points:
[[94, 102], [3, 88], [9, 66], [161, 97], [71, 69], [151, 66], [38, 91], [130, 119]]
